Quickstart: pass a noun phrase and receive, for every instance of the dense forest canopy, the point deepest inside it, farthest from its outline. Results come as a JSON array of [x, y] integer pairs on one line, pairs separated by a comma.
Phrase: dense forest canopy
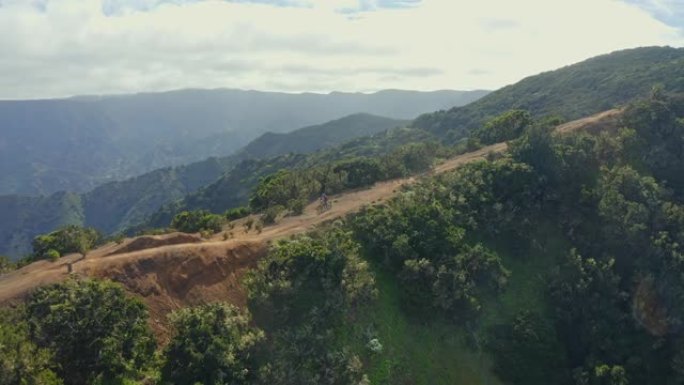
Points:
[[572, 92]]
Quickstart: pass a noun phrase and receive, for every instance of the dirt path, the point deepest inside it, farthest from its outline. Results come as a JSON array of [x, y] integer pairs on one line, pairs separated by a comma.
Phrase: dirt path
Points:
[[169, 275]]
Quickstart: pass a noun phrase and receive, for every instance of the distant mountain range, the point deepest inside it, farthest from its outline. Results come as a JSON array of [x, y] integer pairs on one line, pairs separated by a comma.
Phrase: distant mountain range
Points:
[[79, 143]]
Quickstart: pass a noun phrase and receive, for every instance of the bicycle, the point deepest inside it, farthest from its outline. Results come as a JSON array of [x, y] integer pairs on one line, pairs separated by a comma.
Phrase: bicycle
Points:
[[323, 206]]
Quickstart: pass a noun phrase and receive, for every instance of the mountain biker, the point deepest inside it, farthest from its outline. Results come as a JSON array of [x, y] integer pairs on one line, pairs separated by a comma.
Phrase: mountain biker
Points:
[[324, 200]]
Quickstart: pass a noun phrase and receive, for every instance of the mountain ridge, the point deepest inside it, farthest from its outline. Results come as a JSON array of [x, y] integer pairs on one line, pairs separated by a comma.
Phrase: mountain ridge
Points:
[[78, 143]]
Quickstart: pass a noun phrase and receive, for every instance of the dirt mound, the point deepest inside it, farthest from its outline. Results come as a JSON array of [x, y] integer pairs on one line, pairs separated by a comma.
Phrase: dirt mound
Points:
[[152, 241], [186, 275]]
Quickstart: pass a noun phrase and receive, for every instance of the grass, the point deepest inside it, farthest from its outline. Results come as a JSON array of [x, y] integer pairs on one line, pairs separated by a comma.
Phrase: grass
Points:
[[528, 280], [430, 352]]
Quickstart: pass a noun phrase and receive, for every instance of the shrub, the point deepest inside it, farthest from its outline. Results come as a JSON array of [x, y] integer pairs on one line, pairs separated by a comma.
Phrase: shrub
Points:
[[296, 206], [197, 221], [94, 328], [68, 239], [214, 344], [271, 214], [6, 265], [21, 361], [237, 213], [52, 255]]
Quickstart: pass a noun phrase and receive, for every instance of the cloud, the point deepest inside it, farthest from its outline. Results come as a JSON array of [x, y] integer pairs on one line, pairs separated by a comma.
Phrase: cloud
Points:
[[668, 11], [65, 47]]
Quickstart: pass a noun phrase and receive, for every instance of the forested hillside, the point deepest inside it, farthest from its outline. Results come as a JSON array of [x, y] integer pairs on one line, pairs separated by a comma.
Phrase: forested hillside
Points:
[[572, 92], [79, 143], [310, 139], [556, 262], [115, 206], [234, 188]]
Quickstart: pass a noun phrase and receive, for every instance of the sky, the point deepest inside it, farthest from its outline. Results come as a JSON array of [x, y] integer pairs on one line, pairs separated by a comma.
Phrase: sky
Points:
[[57, 48]]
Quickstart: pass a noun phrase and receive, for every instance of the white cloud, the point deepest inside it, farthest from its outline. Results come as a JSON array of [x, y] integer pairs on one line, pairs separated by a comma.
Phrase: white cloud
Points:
[[66, 47]]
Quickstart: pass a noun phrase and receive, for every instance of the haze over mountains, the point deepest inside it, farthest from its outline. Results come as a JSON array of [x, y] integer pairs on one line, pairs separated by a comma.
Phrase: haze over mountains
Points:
[[78, 143], [114, 206], [221, 183]]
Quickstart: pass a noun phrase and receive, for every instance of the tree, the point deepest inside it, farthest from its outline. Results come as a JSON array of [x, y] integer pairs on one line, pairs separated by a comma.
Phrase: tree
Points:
[[6, 265], [359, 172], [68, 239], [97, 332], [213, 345], [527, 352], [197, 221], [506, 126], [21, 361]]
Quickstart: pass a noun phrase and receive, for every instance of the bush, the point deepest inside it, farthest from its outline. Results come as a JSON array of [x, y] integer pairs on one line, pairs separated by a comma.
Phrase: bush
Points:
[[296, 206], [271, 214], [21, 361], [237, 213], [6, 265], [95, 330], [213, 344], [197, 221], [68, 239], [506, 126], [52, 255]]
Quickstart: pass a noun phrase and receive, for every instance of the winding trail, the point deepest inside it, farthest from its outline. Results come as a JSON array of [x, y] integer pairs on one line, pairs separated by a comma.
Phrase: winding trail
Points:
[[175, 270]]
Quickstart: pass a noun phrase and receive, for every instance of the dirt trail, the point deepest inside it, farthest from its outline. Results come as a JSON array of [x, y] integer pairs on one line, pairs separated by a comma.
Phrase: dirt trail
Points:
[[168, 274]]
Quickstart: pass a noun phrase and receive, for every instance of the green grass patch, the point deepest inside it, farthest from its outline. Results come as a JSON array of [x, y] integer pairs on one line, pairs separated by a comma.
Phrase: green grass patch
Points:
[[527, 284], [426, 352]]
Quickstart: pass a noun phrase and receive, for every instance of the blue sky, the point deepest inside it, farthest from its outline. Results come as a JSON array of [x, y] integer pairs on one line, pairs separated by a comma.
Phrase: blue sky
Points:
[[54, 48]]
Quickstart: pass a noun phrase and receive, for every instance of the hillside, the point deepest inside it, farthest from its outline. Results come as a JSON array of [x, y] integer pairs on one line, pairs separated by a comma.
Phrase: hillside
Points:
[[234, 187], [79, 143], [115, 206], [581, 89], [168, 275], [16, 284], [101, 262], [310, 139]]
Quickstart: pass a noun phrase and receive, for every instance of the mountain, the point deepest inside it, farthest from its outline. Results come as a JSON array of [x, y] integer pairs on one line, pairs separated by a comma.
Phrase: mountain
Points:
[[234, 187], [312, 138], [577, 90], [115, 206], [78, 143], [580, 89]]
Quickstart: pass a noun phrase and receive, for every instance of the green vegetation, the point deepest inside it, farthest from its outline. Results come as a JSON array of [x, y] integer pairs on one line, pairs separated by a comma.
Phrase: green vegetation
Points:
[[197, 221], [504, 127], [68, 239], [237, 213], [213, 344], [572, 92], [301, 294], [6, 265], [292, 188], [309, 139], [96, 332], [235, 188], [558, 262], [147, 201], [21, 361]]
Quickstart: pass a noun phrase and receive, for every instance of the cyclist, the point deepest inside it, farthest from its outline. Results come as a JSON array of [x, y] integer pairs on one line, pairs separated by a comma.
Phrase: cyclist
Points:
[[324, 201]]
